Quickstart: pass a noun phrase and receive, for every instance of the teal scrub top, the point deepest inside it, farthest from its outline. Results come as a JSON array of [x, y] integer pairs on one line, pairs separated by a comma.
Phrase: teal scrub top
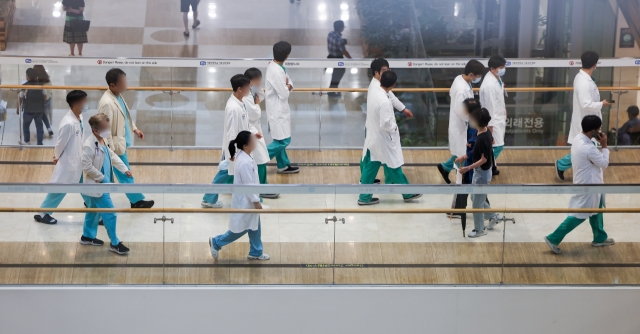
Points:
[[127, 124], [106, 165]]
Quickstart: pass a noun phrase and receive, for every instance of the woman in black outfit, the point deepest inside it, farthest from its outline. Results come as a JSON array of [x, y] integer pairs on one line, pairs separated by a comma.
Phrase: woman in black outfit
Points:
[[75, 10]]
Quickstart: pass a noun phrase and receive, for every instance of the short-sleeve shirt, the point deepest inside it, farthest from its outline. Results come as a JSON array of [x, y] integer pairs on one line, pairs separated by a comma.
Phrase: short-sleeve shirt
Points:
[[74, 4], [484, 146], [335, 44]]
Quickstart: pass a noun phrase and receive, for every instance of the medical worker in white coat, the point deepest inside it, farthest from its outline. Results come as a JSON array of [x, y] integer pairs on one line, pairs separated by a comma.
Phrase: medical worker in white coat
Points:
[[492, 94], [242, 223], [588, 163], [236, 119], [67, 154], [379, 66], [586, 101], [252, 102], [278, 85], [382, 143], [461, 89]]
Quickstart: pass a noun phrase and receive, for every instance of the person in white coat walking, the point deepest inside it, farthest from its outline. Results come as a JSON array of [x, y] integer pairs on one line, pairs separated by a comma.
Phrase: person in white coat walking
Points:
[[242, 223], [235, 121], [588, 164], [461, 89], [382, 142], [378, 67], [278, 86], [67, 154], [492, 94], [252, 103], [586, 101], [98, 162]]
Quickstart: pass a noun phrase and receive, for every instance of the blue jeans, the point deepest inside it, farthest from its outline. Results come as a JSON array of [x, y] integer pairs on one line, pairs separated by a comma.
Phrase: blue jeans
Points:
[[222, 177], [479, 201], [255, 240], [90, 229], [27, 118], [277, 149], [123, 178]]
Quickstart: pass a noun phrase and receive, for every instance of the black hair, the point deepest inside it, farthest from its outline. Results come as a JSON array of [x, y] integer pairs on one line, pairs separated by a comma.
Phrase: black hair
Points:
[[475, 67], [388, 79], [377, 65], [253, 73], [481, 116], [32, 74], [589, 59], [590, 123], [75, 96], [338, 25], [497, 61], [238, 81], [281, 51], [113, 75], [242, 140], [471, 104], [633, 111]]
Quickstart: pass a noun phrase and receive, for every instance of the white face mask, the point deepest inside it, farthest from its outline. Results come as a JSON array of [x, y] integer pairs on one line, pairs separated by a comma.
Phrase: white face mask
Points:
[[105, 134], [501, 72], [85, 108], [476, 80]]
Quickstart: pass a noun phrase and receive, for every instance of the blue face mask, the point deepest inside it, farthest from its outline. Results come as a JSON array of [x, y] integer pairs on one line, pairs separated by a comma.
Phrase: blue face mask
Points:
[[502, 71], [85, 108], [476, 80]]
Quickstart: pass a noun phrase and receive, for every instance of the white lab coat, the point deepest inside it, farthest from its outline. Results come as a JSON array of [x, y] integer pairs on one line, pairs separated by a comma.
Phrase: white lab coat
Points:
[[260, 153], [458, 118], [395, 102], [247, 174], [92, 162], [277, 102], [68, 150], [586, 101], [492, 97], [383, 137], [588, 163], [235, 120]]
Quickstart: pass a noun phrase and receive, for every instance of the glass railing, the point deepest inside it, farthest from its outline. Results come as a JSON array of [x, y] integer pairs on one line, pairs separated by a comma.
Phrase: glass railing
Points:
[[180, 102], [317, 234]]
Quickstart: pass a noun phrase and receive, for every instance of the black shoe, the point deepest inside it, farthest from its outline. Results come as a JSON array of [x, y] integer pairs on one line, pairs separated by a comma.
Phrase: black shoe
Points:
[[444, 174], [495, 171], [100, 222], [85, 205], [143, 204], [334, 94], [196, 24], [50, 133], [559, 173], [120, 249], [289, 170], [270, 196], [47, 219], [375, 181], [371, 202], [90, 242], [416, 196], [37, 218]]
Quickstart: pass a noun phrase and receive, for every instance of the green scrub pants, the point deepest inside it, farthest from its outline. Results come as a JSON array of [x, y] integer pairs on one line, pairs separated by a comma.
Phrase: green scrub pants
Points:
[[277, 149], [564, 163], [596, 221], [448, 165], [369, 171], [262, 173], [496, 152]]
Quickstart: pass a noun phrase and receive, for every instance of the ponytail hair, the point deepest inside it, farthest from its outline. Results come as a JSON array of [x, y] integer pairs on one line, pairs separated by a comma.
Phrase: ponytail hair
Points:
[[242, 140]]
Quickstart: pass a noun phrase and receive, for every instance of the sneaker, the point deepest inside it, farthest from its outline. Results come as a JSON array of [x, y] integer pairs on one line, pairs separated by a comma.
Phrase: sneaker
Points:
[[444, 174], [262, 257], [288, 170], [559, 173], [90, 242], [415, 196], [47, 219], [373, 201], [554, 248], [120, 249], [265, 207], [375, 181], [50, 133], [475, 233], [494, 221], [143, 204], [270, 196], [216, 205], [214, 252], [607, 242]]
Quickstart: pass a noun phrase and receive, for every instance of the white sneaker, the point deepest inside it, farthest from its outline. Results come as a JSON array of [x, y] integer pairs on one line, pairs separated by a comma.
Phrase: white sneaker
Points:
[[214, 252], [265, 207], [262, 257], [494, 221], [216, 205], [554, 248], [476, 233]]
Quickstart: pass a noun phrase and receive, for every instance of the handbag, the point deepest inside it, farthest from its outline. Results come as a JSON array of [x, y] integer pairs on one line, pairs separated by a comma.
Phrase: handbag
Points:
[[80, 25]]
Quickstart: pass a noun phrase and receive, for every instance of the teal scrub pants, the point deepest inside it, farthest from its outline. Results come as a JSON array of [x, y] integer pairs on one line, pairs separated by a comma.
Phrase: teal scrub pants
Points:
[[222, 177], [277, 149], [596, 222], [90, 229], [564, 163], [122, 178], [255, 241], [52, 201], [369, 171], [496, 152], [448, 165], [262, 173]]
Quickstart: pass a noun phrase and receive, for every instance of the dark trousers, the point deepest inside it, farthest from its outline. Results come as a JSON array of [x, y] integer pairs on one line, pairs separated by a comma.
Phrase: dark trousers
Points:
[[337, 75], [27, 118]]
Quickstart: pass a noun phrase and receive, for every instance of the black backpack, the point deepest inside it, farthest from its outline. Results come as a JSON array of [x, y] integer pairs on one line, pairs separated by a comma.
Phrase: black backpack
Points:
[[34, 101]]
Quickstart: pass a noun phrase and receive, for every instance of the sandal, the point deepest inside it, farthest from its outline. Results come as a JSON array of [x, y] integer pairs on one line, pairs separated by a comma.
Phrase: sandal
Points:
[[195, 24]]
